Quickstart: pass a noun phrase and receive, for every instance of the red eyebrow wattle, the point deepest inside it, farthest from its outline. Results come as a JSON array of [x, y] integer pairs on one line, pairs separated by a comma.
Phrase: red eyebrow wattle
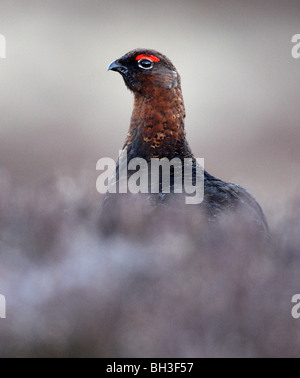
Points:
[[153, 58]]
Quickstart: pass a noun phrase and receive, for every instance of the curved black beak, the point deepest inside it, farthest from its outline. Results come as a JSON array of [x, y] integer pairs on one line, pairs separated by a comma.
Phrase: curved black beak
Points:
[[117, 66]]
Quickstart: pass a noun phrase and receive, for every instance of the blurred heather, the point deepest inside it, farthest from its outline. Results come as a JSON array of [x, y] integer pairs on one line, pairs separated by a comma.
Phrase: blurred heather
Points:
[[73, 293], [146, 292]]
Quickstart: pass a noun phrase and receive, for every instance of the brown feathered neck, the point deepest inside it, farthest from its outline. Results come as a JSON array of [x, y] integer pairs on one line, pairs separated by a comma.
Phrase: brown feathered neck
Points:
[[157, 125]]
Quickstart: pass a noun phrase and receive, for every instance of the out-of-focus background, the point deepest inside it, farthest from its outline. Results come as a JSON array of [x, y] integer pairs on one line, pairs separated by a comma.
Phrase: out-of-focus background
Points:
[[61, 111], [146, 293]]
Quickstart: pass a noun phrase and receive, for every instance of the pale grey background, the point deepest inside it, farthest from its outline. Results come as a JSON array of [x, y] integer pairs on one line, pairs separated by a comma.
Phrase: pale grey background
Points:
[[61, 111]]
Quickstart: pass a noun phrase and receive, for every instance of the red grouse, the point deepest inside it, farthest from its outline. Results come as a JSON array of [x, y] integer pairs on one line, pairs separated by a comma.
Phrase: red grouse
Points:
[[157, 131]]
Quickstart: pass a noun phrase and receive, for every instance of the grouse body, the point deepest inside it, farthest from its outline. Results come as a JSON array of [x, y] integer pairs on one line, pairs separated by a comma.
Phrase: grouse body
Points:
[[157, 131]]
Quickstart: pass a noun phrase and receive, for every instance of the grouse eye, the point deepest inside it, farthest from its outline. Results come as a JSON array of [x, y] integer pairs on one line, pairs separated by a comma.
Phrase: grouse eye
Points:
[[146, 64]]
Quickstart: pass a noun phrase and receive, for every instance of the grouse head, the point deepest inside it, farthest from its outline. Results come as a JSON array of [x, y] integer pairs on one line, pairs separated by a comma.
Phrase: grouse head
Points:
[[157, 121], [146, 72]]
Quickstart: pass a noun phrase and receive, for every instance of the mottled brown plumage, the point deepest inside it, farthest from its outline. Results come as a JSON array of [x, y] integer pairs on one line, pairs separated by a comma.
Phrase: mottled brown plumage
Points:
[[157, 131], [157, 121]]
